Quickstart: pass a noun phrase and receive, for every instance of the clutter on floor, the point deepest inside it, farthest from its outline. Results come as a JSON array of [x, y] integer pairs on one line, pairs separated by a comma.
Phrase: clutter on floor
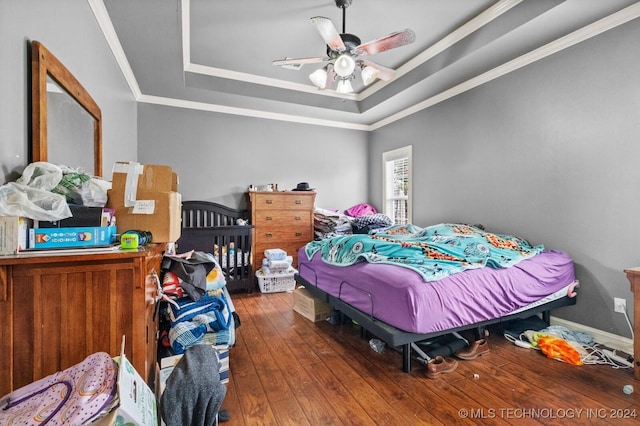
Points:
[[558, 342]]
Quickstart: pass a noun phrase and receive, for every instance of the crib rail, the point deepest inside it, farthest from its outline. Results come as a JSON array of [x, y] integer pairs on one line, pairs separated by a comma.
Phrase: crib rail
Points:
[[212, 228]]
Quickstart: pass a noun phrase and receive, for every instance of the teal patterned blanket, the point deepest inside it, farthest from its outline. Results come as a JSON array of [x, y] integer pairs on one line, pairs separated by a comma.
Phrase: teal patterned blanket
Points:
[[434, 252]]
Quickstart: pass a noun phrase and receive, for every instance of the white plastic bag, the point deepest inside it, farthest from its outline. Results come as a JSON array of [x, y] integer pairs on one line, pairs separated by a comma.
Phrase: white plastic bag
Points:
[[41, 175], [30, 195]]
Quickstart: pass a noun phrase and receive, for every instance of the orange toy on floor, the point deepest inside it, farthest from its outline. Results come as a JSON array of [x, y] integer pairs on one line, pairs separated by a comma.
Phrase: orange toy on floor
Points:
[[560, 349]]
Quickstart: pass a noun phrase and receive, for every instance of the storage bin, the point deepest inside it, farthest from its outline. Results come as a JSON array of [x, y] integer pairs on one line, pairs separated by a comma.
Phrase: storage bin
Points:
[[274, 283]]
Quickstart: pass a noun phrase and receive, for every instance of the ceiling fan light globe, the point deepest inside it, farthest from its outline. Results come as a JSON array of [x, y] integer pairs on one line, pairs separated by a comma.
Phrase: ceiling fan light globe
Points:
[[344, 65], [369, 75], [319, 78], [344, 86]]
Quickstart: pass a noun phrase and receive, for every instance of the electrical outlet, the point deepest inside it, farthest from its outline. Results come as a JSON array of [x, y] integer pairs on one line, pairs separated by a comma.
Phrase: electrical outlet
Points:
[[620, 305]]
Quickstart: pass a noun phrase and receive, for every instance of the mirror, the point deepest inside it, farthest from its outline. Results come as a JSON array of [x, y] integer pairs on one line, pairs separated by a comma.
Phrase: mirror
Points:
[[66, 121]]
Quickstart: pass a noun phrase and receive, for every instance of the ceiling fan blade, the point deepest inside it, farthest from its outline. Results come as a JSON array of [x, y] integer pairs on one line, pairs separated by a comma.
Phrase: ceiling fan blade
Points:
[[393, 40], [386, 74], [329, 33], [298, 61]]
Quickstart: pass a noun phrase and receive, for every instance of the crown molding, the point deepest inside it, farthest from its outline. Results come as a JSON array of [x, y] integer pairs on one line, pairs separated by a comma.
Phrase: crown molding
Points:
[[578, 36], [223, 109], [607, 23], [104, 21]]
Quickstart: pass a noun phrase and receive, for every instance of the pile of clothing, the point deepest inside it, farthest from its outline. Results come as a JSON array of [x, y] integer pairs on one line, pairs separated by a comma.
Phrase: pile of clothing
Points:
[[329, 223], [359, 219], [198, 309], [277, 261]]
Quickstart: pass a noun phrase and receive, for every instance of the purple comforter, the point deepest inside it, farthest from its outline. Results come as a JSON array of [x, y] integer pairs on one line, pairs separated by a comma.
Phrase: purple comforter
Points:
[[401, 298]]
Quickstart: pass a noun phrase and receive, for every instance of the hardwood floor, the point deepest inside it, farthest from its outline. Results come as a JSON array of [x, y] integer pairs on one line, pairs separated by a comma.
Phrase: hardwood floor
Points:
[[287, 370]]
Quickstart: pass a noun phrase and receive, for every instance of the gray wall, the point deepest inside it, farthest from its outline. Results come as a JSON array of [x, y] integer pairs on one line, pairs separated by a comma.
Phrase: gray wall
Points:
[[69, 30], [550, 153], [217, 156]]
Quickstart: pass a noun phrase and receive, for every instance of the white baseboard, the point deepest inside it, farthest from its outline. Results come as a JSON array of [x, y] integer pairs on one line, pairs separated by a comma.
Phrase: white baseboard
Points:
[[610, 340]]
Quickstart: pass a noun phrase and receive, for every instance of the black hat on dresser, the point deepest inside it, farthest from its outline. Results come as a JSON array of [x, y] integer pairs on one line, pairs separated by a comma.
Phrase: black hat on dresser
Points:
[[303, 186]]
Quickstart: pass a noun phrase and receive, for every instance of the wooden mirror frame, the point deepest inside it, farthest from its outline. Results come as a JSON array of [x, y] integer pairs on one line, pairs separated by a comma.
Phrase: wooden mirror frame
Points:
[[43, 64]]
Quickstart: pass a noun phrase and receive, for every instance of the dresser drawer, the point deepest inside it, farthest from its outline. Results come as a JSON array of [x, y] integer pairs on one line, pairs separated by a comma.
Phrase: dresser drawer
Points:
[[276, 200], [268, 219], [284, 235]]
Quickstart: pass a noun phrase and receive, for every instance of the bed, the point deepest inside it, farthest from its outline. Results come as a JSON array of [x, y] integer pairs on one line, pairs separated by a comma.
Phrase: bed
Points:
[[402, 305], [214, 228]]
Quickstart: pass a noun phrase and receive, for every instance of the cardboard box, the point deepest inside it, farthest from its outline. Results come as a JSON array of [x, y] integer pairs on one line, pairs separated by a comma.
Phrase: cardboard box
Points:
[[131, 178], [157, 212], [90, 236], [13, 234], [310, 307], [137, 401]]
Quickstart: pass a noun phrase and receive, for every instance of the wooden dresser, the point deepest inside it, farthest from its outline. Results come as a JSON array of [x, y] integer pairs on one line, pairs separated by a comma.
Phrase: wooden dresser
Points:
[[633, 275], [58, 309], [281, 220]]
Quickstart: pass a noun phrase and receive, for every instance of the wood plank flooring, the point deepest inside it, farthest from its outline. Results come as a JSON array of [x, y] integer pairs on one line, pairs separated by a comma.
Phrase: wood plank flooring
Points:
[[287, 370]]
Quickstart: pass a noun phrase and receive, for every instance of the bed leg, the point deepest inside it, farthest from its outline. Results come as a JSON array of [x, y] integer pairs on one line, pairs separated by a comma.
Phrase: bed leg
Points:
[[479, 332], [406, 358], [546, 317]]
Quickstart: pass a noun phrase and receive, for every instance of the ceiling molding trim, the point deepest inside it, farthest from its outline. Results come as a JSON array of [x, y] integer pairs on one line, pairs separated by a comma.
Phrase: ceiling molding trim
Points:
[[265, 81], [104, 21], [202, 106], [479, 21], [468, 28], [609, 22], [185, 10], [241, 76], [605, 24]]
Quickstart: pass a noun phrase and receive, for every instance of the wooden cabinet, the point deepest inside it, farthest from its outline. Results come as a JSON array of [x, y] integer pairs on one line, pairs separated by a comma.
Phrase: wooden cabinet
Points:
[[281, 220], [633, 275], [58, 309]]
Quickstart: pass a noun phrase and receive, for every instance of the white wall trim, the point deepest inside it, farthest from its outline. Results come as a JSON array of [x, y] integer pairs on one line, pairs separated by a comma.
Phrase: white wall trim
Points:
[[446, 42], [584, 33], [618, 18], [102, 16], [241, 76], [460, 33], [265, 81], [603, 337], [181, 103]]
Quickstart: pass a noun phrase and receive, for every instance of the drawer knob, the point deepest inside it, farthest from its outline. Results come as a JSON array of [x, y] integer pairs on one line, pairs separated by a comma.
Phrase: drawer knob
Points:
[[269, 201], [298, 218], [298, 234], [269, 235], [268, 218], [298, 201]]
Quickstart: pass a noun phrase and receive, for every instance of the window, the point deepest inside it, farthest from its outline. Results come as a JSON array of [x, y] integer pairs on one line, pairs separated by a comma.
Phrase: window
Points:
[[396, 170]]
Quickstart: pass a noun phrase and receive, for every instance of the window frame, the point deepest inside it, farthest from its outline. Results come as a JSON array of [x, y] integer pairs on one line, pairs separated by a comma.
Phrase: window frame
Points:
[[393, 155]]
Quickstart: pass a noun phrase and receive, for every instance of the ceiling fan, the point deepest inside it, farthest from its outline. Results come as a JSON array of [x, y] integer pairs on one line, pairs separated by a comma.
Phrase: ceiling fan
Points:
[[343, 54]]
